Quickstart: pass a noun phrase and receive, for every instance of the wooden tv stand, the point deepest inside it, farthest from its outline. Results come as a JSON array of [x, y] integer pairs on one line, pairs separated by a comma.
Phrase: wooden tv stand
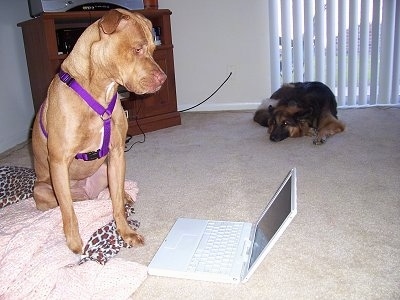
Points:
[[151, 112]]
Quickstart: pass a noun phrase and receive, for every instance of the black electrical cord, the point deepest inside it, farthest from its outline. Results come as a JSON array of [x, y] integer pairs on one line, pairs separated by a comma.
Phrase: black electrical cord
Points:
[[230, 74], [129, 137]]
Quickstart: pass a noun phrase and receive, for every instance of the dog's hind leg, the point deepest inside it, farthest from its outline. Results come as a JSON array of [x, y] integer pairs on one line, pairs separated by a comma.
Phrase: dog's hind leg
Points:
[[44, 196], [127, 198]]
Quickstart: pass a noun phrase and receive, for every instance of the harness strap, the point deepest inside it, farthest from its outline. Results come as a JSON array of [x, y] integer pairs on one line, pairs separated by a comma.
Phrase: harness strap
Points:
[[96, 106], [104, 113], [41, 121]]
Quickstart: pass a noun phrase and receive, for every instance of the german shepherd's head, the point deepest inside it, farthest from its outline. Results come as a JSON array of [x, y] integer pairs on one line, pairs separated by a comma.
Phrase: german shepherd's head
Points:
[[289, 120], [301, 108]]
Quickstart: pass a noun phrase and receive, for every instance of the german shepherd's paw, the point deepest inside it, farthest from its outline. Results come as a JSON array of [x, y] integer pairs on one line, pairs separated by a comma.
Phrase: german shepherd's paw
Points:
[[319, 141]]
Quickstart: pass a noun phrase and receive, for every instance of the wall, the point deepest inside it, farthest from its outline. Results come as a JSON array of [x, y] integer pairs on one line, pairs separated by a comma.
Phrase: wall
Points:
[[16, 108], [209, 36], [210, 39]]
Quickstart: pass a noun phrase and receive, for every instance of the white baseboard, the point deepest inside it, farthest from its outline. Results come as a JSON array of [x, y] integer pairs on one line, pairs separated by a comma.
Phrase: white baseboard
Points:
[[254, 105], [221, 106]]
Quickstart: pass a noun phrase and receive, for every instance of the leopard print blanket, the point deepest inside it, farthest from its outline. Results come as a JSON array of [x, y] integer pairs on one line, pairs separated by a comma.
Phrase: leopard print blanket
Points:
[[16, 184], [106, 242]]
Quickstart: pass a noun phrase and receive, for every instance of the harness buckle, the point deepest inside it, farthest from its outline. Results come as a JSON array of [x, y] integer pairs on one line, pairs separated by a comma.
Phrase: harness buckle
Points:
[[66, 78], [92, 155]]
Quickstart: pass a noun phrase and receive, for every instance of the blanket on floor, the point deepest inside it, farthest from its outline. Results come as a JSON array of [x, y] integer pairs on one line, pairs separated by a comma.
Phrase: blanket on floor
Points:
[[36, 263]]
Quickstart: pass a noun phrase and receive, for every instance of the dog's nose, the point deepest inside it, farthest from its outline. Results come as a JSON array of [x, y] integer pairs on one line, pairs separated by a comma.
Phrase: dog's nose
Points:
[[160, 77], [274, 138]]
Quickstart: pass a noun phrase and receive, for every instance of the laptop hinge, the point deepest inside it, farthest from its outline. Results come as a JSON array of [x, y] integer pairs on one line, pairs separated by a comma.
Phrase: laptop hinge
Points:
[[246, 251]]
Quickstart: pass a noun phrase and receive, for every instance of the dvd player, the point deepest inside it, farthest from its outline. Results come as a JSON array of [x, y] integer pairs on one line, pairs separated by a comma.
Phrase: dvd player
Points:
[[37, 7]]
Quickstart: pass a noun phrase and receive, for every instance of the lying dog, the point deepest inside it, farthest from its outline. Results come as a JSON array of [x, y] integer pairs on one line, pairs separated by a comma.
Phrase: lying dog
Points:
[[79, 133], [299, 109]]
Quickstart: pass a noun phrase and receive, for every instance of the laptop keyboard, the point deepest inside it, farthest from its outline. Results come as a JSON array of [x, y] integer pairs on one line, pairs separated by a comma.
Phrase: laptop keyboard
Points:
[[217, 248]]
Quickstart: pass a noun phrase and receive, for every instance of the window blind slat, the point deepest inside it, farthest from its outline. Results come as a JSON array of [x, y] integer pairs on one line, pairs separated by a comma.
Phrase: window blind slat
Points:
[[351, 45]]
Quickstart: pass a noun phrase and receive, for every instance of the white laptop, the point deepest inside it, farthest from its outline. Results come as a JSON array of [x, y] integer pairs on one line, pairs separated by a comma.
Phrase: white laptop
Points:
[[192, 249]]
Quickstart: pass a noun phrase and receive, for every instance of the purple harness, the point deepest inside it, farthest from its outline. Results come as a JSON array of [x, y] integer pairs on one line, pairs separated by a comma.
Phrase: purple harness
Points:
[[104, 113]]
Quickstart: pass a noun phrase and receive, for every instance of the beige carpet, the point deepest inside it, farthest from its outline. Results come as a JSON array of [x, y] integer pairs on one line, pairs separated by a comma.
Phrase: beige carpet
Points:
[[344, 242]]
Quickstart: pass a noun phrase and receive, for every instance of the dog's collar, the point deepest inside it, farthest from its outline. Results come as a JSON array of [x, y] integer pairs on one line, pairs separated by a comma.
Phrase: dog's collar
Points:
[[104, 113]]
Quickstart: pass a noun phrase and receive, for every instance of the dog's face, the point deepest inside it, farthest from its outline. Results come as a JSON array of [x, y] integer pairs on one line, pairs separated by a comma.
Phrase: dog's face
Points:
[[126, 49], [287, 121], [282, 125]]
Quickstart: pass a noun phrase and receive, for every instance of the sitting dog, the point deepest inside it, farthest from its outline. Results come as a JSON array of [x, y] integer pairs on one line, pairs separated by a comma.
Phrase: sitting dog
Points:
[[299, 109], [79, 134]]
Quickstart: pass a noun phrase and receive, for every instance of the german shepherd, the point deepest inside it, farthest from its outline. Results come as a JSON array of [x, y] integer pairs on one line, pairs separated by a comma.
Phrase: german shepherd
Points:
[[299, 109]]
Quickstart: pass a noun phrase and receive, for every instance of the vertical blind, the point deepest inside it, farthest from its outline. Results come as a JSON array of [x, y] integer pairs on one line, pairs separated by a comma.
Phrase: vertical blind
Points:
[[353, 46]]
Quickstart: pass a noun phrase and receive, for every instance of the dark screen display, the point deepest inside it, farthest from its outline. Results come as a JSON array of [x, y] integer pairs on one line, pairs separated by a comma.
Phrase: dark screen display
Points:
[[271, 220]]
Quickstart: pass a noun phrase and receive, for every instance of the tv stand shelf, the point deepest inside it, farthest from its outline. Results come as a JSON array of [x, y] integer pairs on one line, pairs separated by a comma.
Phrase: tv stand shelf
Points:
[[151, 112]]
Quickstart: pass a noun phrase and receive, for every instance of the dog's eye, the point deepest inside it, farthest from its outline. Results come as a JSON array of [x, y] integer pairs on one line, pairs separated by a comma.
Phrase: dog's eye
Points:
[[139, 50], [285, 123]]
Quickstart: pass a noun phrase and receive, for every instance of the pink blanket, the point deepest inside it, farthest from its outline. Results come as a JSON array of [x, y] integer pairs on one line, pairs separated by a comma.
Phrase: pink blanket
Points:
[[35, 261]]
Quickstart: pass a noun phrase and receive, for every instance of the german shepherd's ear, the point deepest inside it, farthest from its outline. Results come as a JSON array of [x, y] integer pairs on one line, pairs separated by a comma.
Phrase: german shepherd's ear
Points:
[[271, 109], [262, 116]]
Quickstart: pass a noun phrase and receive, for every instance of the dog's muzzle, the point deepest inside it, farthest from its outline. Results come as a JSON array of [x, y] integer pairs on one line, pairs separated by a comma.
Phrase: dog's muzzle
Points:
[[278, 136]]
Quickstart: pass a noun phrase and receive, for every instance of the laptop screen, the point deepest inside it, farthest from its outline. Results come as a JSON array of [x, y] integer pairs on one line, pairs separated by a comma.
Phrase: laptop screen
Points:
[[272, 218]]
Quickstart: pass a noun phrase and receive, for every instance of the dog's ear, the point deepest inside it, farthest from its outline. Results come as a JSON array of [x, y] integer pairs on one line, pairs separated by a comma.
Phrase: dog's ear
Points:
[[271, 109], [110, 21], [262, 117]]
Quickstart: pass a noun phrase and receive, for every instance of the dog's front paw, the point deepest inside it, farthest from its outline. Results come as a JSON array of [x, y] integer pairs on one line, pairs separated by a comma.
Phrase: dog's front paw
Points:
[[132, 238], [139, 239], [319, 141], [75, 244]]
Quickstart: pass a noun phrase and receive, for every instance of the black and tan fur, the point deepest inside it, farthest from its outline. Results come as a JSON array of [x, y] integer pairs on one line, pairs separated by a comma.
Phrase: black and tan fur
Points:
[[300, 109]]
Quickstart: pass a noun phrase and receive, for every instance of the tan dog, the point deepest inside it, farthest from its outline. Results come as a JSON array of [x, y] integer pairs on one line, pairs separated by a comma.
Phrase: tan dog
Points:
[[115, 50]]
